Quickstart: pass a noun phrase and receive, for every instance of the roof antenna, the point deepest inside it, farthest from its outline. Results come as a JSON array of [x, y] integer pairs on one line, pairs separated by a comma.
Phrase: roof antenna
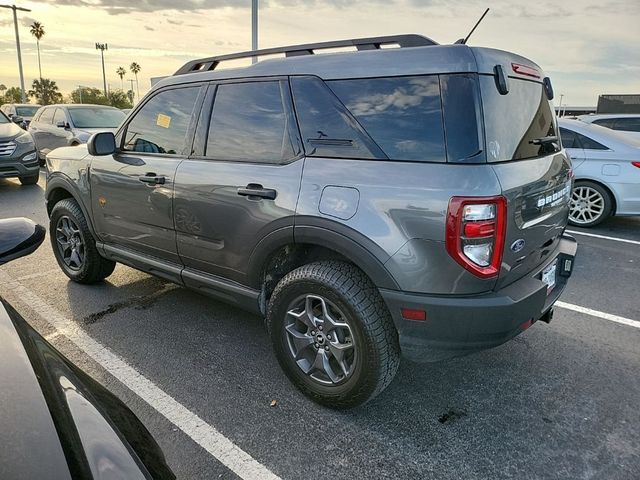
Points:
[[463, 41]]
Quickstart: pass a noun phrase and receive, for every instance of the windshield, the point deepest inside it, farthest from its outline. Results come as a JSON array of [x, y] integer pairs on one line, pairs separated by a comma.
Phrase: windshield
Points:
[[95, 117], [515, 122], [27, 111], [3, 119]]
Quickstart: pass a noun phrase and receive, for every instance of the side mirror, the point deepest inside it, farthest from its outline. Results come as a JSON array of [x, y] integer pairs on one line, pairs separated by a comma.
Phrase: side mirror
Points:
[[102, 143], [17, 119], [61, 124], [19, 237]]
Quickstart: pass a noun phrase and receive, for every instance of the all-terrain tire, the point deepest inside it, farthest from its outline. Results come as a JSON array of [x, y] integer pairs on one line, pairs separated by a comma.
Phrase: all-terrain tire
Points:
[[94, 267], [374, 334]]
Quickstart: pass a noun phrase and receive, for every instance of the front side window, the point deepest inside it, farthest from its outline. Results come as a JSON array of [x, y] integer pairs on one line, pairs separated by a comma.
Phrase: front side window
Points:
[[403, 115], [627, 124], [59, 117], [251, 122], [161, 125], [47, 115], [516, 122], [605, 122]]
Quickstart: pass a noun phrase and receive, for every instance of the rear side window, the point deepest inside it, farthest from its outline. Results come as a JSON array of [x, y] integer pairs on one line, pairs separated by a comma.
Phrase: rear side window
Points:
[[251, 122], [47, 115], [627, 124], [328, 129], [515, 120], [161, 125], [605, 122], [403, 115], [571, 139]]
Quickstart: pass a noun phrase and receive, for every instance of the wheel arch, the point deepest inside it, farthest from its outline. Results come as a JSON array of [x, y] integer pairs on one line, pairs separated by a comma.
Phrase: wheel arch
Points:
[[60, 188]]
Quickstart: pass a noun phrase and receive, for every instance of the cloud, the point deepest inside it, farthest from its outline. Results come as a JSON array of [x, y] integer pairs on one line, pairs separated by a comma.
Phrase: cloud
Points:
[[151, 29]]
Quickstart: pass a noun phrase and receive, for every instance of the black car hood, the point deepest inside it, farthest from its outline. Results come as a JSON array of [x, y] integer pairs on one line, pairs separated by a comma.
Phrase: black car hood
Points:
[[9, 131], [57, 422]]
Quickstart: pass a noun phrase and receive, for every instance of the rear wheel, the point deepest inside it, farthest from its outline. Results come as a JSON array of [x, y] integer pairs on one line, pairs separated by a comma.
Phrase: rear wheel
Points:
[[74, 246], [590, 204], [30, 180], [333, 334]]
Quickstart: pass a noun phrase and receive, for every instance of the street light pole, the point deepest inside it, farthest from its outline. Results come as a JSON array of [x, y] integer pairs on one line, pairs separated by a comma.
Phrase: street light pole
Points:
[[102, 47], [254, 28], [15, 24]]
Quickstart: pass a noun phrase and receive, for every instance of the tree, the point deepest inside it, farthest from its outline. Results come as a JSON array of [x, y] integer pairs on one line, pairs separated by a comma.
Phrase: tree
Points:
[[37, 30], [119, 99], [3, 88], [45, 91], [13, 95], [90, 95], [121, 73], [135, 69]]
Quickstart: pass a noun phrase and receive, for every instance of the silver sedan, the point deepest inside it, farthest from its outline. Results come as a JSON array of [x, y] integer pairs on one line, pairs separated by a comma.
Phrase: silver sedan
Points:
[[606, 167]]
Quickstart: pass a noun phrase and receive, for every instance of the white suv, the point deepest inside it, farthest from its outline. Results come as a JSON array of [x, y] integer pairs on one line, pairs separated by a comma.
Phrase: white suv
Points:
[[623, 122]]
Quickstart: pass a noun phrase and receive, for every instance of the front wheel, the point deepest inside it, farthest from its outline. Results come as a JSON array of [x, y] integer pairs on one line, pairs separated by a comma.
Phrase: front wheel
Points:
[[333, 334], [30, 180], [74, 246], [590, 204]]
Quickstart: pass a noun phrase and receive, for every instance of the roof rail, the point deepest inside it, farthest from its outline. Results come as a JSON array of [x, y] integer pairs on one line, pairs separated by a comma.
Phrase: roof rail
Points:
[[372, 43]]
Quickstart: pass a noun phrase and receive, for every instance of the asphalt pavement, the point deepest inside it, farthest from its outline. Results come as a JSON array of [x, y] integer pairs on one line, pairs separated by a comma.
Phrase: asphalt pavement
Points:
[[560, 401]]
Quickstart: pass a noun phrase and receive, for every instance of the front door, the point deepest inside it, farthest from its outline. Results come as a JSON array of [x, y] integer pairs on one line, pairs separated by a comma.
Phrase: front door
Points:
[[132, 190], [242, 185]]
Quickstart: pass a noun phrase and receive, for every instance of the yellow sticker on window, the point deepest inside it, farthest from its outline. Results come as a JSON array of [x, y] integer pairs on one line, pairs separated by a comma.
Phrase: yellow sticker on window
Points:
[[163, 120]]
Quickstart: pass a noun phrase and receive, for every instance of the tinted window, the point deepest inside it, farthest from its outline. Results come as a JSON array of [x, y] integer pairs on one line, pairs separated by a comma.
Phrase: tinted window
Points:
[[47, 115], [590, 144], [59, 116], [460, 98], [605, 122], [627, 124], [514, 120], [402, 115], [250, 122], [161, 125], [327, 128], [96, 117], [3, 118], [569, 139]]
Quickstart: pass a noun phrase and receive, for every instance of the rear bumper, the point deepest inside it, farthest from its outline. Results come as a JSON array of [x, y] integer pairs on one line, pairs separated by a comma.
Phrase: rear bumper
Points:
[[457, 326]]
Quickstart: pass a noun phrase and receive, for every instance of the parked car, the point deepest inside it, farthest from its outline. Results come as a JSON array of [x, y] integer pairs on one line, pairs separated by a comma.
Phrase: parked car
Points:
[[20, 113], [607, 172], [57, 422], [17, 153], [70, 125], [322, 192], [624, 123]]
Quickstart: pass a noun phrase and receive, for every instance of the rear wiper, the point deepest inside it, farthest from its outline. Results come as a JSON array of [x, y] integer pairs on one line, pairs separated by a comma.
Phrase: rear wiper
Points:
[[544, 140]]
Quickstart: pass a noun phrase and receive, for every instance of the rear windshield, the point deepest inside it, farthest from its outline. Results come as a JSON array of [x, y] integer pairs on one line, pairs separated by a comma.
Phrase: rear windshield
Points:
[[27, 111], [89, 117], [515, 120]]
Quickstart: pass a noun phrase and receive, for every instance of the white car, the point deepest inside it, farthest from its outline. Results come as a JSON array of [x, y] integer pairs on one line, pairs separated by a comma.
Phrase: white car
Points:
[[606, 167], [629, 124]]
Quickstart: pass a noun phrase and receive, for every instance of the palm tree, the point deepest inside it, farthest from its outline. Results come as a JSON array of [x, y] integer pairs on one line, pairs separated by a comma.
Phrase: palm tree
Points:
[[37, 30], [121, 73], [45, 91], [135, 69]]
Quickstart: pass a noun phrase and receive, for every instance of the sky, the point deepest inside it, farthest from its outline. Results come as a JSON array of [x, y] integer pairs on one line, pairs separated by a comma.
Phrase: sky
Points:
[[587, 47]]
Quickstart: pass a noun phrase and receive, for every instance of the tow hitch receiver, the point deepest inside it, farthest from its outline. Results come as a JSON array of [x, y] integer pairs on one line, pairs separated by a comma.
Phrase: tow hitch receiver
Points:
[[546, 318]]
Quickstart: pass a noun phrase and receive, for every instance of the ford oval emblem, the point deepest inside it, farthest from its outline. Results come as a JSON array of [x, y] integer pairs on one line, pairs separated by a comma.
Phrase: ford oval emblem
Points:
[[517, 245]]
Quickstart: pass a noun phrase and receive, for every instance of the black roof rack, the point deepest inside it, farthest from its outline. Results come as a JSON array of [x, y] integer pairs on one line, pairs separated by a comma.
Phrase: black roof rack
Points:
[[372, 43]]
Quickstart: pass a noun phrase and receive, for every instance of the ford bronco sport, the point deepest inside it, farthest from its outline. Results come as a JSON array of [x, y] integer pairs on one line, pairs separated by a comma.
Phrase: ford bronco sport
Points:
[[370, 203]]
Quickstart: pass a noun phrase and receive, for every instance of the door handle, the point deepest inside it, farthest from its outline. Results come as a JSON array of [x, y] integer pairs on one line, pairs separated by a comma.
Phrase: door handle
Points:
[[152, 179], [257, 190]]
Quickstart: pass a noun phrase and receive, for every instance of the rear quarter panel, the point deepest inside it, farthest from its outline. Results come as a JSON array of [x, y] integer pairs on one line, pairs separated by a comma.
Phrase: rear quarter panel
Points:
[[400, 207]]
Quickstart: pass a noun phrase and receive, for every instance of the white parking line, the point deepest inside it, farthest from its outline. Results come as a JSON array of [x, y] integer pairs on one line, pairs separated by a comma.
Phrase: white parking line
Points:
[[205, 435], [597, 313], [595, 235]]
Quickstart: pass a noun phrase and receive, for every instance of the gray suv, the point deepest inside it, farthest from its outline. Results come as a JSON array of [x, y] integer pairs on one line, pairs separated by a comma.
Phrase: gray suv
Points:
[[17, 153], [371, 203]]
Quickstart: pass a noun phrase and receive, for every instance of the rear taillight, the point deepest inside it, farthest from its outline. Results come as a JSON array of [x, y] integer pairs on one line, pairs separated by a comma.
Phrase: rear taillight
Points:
[[476, 232], [636, 164]]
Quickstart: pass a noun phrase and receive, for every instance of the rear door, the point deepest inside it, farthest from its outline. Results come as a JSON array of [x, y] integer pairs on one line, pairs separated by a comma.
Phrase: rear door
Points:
[[41, 129], [132, 190], [242, 183], [535, 174]]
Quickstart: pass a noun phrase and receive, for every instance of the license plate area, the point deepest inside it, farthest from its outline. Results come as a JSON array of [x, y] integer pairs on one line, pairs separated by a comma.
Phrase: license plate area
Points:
[[548, 275]]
